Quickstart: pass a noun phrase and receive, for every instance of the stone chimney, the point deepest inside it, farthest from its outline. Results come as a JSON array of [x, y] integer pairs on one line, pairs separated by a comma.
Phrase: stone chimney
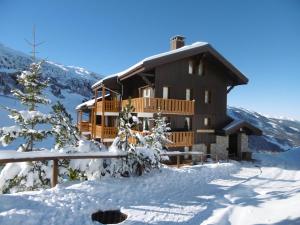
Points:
[[177, 42]]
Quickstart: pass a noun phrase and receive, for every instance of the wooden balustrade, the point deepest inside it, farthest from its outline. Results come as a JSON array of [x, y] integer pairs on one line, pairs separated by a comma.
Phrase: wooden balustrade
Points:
[[167, 106], [109, 106], [181, 139], [84, 126], [109, 132]]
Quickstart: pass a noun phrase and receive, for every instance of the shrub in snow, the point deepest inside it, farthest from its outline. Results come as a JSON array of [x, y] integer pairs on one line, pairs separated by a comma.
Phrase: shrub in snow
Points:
[[84, 169], [25, 176]]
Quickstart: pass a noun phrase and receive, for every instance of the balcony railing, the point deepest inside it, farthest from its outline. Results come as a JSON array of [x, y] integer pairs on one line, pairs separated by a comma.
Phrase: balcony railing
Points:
[[167, 106], [182, 139], [109, 106], [84, 126], [179, 139], [109, 132]]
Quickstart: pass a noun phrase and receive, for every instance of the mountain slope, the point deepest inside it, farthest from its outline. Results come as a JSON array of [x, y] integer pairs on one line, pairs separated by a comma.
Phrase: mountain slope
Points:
[[75, 79], [278, 134], [68, 84]]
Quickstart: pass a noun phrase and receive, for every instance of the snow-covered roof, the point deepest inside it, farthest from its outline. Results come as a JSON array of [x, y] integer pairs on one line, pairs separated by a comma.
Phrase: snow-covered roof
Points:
[[140, 63], [236, 124], [89, 102]]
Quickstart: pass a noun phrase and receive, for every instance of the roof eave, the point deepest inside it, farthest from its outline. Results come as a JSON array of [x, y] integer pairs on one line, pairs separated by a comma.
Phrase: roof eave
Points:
[[242, 79]]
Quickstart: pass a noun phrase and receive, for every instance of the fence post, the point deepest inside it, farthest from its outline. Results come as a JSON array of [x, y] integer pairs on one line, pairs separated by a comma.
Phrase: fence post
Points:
[[178, 160], [202, 159], [54, 173]]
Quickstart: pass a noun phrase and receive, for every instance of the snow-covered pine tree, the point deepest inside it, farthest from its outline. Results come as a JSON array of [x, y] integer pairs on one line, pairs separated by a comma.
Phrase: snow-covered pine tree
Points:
[[28, 120], [65, 133], [29, 124], [157, 140], [125, 141]]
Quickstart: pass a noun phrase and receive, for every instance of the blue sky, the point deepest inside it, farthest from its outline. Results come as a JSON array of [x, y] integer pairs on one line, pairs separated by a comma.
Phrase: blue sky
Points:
[[261, 38]]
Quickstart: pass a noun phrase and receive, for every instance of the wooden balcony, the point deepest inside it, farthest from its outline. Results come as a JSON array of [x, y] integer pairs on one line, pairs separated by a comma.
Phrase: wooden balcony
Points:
[[179, 139], [109, 106], [166, 106], [182, 139], [84, 126], [109, 132]]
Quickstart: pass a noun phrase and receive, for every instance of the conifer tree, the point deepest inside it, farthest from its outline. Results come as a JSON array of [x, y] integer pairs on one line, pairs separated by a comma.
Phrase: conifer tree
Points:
[[158, 139], [30, 125], [125, 141], [28, 121], [65, 133]]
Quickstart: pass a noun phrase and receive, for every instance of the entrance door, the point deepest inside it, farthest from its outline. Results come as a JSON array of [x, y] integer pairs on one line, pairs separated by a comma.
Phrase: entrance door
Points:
[[233, 146], [148, 92]]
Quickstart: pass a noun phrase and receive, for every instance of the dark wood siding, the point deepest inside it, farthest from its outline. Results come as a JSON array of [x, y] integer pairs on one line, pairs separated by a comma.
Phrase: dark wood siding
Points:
[[175, 76]]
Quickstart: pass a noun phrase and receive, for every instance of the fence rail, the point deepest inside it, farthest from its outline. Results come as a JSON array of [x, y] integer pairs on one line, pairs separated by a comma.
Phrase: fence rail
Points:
[[9, 156]]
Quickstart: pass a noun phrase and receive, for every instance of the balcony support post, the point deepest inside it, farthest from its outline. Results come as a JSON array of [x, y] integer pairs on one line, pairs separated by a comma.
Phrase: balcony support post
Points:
[[103, 111], [77, 121], [80, 116], [94, 116]]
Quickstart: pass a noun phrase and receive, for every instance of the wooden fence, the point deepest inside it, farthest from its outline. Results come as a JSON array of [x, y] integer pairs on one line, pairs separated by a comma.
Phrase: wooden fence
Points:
[[13, 156]]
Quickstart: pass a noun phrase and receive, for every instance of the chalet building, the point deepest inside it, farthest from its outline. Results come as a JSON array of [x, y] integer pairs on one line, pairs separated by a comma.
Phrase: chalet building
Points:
[[189, 84]]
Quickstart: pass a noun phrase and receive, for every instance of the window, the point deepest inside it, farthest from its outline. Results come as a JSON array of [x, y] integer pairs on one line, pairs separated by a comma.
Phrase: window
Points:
[[207, 97], [165, 92], [148, 92], [200, 68], [191, 67], [187, 94], [196, 67], [187, 124], [206, 121], [145, 124]]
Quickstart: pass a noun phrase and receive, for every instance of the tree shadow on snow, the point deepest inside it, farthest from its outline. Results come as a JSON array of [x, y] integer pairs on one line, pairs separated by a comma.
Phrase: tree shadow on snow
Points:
[[220, 197]]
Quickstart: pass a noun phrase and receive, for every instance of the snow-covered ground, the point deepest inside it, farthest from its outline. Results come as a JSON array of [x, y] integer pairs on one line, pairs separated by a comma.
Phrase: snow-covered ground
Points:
[[264, 192]]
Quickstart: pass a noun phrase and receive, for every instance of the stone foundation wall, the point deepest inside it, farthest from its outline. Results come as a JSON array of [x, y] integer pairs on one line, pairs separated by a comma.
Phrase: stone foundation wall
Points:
[[219, 149]]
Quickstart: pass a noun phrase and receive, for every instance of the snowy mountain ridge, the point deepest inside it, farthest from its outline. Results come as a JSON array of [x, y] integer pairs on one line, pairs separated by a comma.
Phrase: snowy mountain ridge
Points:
[[279, 134], [72, 78]]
